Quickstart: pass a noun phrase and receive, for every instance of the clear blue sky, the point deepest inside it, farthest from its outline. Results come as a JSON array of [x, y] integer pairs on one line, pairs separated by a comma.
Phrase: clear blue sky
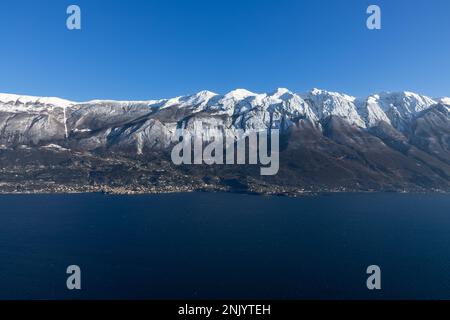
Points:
[[162, 48]]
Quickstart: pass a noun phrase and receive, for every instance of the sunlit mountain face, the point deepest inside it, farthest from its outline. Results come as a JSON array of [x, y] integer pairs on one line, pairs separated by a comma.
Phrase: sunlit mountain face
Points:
[[329, 142]]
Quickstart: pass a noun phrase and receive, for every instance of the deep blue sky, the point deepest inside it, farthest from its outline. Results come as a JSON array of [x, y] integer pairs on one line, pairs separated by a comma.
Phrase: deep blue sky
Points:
[[162, 48]]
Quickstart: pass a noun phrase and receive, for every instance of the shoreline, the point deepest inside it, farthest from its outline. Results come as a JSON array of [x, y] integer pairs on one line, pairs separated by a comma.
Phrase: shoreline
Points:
[[288, 194]]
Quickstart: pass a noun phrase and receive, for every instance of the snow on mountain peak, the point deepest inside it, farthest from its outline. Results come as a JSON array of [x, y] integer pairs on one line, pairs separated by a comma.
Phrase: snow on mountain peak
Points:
[[396, 108], [316, 91], [444, 100], [330, 94], [280, 92], [198, 98], [239, 94], [326, 103], [404, 102], [15, 99]]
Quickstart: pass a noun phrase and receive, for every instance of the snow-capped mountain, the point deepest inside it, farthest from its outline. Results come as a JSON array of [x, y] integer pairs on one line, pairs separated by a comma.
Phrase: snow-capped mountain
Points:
[[36, 120], [387, 141]]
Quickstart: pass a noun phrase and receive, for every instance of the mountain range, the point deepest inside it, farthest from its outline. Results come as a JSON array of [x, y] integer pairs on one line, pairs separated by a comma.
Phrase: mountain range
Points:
[[391, 141]]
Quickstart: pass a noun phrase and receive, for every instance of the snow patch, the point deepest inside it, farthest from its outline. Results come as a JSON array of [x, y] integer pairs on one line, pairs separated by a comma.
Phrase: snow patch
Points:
[[56, 147]]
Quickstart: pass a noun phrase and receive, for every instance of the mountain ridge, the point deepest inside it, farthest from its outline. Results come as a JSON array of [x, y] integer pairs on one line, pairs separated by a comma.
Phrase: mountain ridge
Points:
[[61, 102], [330, 142]]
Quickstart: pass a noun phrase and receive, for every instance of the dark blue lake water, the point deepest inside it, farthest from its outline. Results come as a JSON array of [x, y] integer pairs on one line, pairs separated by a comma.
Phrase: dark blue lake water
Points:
[[226, 246]]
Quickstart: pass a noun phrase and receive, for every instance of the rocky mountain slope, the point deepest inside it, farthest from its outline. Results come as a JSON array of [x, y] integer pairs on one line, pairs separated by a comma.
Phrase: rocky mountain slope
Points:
[[330, 142]]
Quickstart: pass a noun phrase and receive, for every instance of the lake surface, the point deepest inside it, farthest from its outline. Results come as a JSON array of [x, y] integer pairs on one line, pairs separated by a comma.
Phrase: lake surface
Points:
[[224, 246]]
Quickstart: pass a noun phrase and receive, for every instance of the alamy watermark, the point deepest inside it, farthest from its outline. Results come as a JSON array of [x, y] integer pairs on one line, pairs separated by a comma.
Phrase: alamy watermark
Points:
[[74, 280], [374, 20], [73, 21], [229, 147], [374, 280]]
